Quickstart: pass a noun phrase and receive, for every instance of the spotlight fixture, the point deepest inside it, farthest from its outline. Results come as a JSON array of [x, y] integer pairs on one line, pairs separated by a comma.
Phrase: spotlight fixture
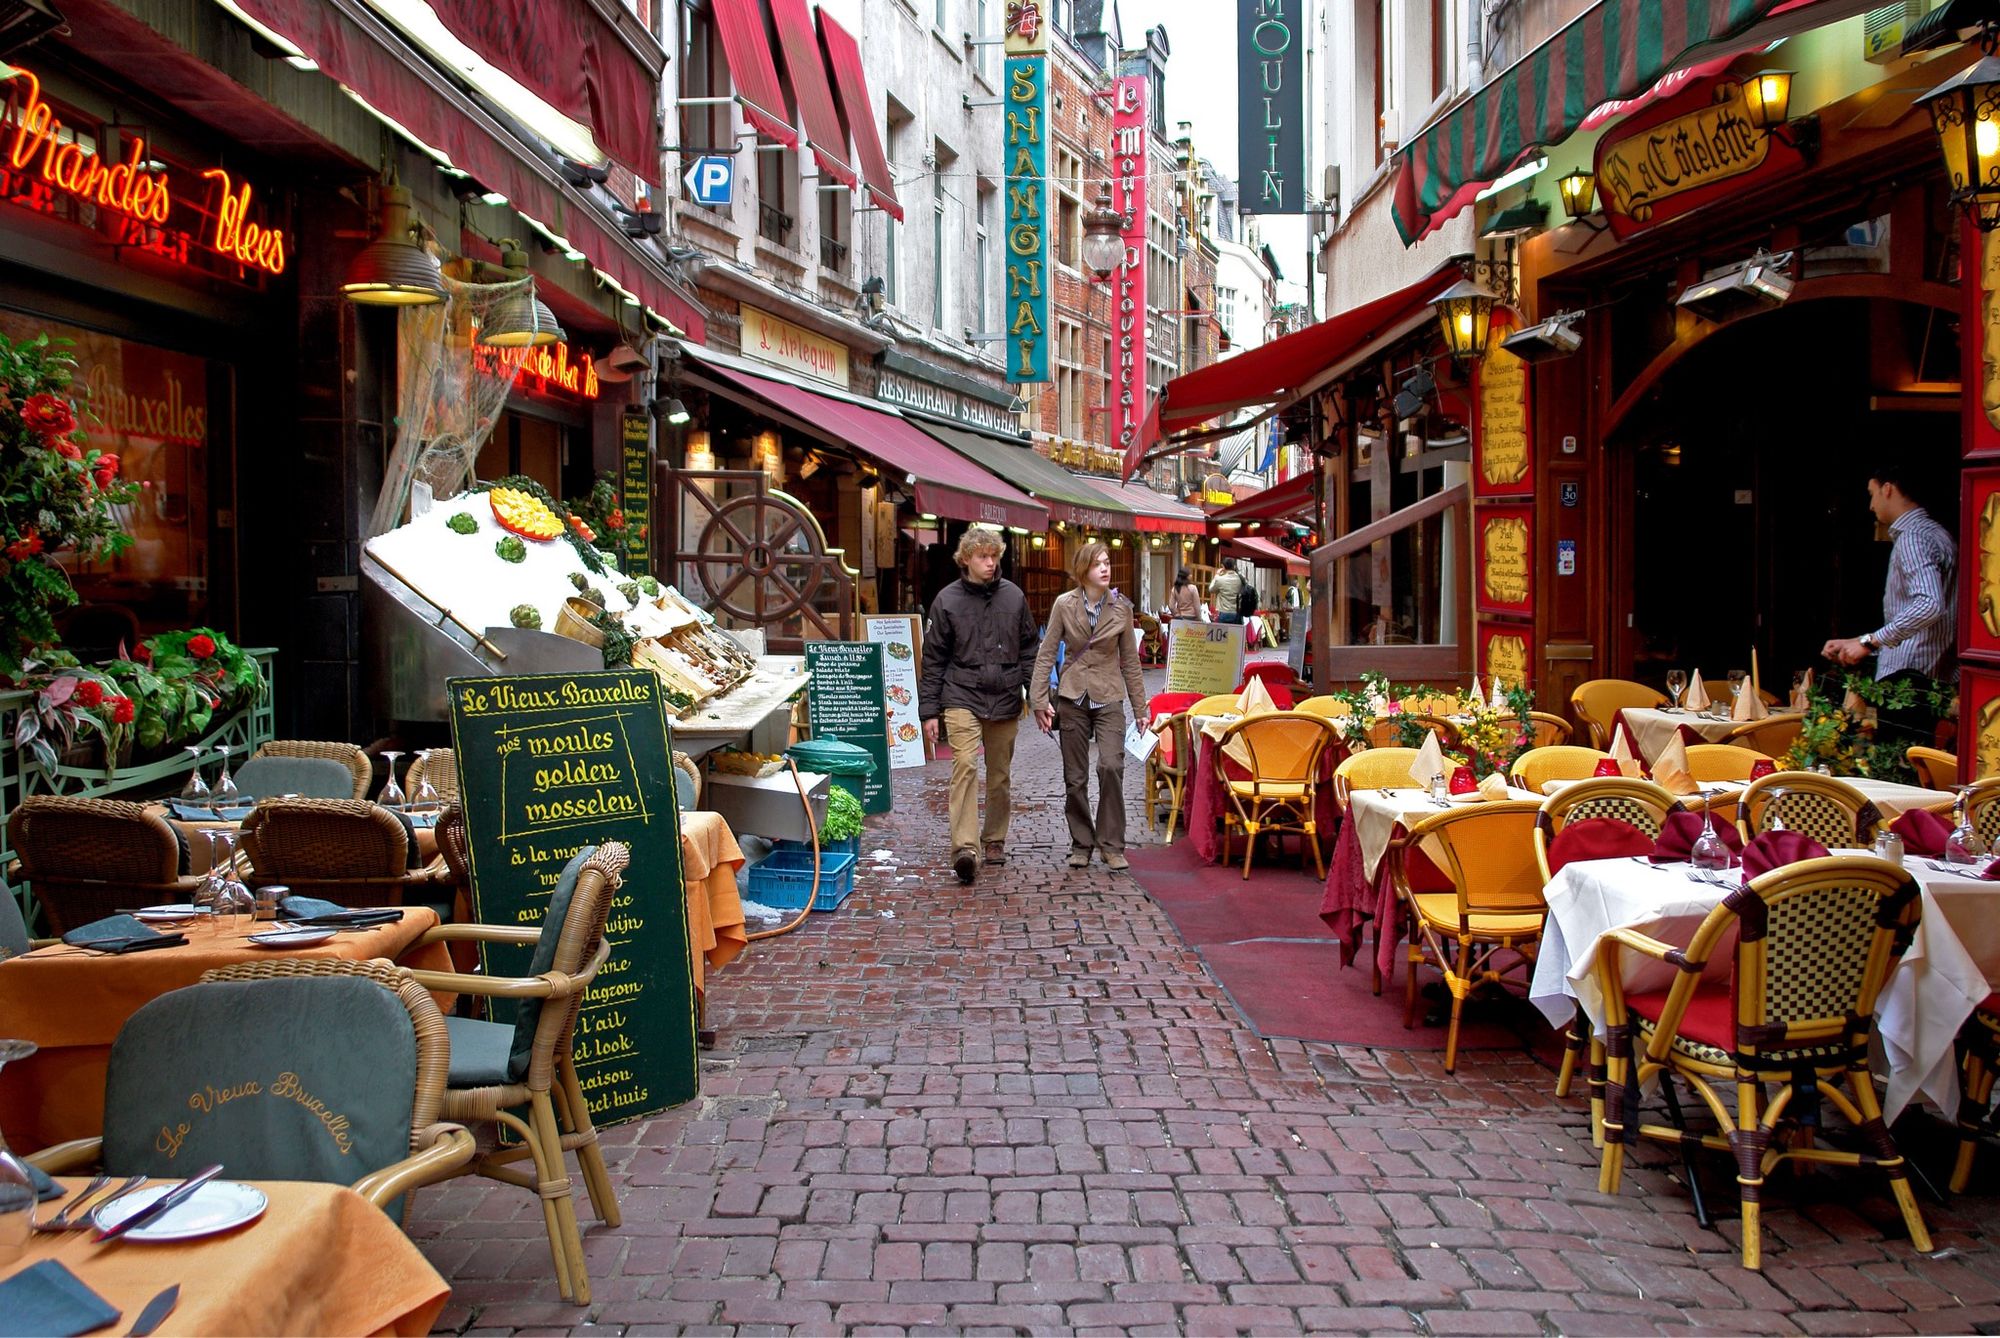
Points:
[[874, 297], [25, 21], [1412, 394], [583, 175], [1753, 285], [669, 410], [621, 364], [1556, 337], [640, 221], [395, 270], [1518, 220]]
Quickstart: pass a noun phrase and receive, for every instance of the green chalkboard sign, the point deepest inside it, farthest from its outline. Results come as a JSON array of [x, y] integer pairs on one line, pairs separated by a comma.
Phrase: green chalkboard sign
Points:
[[846, 702], [635, 491], [549, 764]]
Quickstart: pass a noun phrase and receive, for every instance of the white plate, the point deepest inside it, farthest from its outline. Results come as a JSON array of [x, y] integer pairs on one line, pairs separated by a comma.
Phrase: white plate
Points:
[[157, 915], [292, 938], [216, 1206]]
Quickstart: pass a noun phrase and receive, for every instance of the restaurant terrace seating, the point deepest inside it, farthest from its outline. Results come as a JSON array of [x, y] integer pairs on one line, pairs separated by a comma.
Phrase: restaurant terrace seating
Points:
[[1326, 707], [85, 859], [1550, 730], [357, 1036], [1596, 705], [1373, 769], [1278, 796], [349, 755], [343, 850], [1710, 762], [1830, 811], [1982, 805], [1222, 703], [1773, 735], [1560, 761], [1979, 1064], [1936, 769], [1812, 944]]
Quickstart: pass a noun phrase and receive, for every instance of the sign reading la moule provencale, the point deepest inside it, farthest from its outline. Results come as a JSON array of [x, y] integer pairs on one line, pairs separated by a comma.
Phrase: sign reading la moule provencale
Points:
[[549, 764], [1270, 106], [1025, 130]]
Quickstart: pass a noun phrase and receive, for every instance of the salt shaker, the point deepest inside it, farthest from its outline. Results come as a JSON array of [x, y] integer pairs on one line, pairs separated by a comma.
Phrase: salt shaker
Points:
[[1889, 846]]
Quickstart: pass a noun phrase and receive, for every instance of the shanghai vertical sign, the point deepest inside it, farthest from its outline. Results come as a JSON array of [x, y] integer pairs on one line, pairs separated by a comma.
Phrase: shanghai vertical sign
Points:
[[1025, 129], [1130, 160], [1270, 106]]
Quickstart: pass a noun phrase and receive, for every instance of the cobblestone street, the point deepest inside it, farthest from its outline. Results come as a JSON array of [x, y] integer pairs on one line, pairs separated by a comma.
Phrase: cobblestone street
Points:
[[1024, 1106]]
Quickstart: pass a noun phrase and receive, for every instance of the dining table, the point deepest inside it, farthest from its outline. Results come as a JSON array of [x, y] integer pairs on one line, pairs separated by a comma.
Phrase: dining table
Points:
[[196, 830], [1649, 729], [72, 1001], [1207, 802], [1951, 964], [320, 1259], [710, 858]]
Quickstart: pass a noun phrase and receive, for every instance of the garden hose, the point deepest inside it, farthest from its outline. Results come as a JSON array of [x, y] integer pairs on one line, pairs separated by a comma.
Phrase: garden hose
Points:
[[813, 827]]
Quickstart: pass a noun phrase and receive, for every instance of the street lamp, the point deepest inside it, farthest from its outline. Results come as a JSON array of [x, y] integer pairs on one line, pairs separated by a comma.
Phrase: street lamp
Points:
[[1965, 113], [1465, 311], [1103, 235], [1579, 193]]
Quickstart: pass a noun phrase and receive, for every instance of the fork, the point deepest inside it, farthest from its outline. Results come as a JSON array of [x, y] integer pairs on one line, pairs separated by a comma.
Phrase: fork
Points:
[[66, 1219], [82, 1196]]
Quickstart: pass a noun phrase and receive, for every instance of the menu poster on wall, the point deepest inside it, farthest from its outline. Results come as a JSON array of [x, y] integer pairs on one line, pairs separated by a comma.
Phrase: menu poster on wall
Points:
[[635, 491], [902, 649], [1506, 559], [549, 764], [1204, 657], [846, 702]]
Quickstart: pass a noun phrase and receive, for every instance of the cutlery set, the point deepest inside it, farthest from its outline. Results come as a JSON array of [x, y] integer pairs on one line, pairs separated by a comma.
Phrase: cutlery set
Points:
[[79, 1213]]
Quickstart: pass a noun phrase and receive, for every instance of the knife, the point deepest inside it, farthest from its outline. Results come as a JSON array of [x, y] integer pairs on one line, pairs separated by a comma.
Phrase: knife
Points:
[[156, 1312], [166, 1203]]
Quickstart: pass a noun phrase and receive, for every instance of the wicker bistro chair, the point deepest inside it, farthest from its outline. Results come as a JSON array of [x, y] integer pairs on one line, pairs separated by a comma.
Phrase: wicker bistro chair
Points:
[[496, 1067], [1830, 811], [1283, 786], [1495, 913], [344, 850], [1813, 944], [1772, 736], [1596, 705], [1936, 769], [1222, 703], [1711, 762], [1982, 803], [85, 858], [349, 755], [1979, 1064], [1561, 761], [440, 767], [1170, 778], [1372, 769], [325, 1021], [1551, 731]]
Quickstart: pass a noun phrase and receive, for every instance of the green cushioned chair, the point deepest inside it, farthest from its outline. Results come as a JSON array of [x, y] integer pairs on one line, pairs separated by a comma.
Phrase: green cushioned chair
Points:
[[13, 929]]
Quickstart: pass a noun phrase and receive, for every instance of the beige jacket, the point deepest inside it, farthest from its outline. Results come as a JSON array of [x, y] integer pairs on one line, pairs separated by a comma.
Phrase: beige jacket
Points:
[[1100, 664]]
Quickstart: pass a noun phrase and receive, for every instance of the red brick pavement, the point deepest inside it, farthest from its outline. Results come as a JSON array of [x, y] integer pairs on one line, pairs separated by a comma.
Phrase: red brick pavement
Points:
[[1024, 1107]]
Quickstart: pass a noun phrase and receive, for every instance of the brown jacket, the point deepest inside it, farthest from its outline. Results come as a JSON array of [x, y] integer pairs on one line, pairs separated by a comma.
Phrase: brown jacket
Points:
[[1101, 664]]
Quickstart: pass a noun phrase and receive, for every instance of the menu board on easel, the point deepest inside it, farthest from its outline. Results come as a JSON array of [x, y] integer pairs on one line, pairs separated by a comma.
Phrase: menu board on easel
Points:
[[1204, 657], [901, 639], [549, 764], [847, 702], [635, 492]]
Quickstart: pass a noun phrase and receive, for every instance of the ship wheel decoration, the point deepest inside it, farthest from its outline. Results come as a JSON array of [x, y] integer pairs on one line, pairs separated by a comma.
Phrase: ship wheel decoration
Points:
[[761, 559]]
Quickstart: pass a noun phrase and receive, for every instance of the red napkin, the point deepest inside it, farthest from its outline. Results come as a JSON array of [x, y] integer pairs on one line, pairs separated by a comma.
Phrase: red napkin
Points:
[[1991, 871], [1597, 838], [1772, 850], [1678, 835], [1923, 833]]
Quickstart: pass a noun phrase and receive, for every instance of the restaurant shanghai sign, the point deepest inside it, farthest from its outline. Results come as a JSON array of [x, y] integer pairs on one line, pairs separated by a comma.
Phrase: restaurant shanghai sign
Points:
[[1129, 164], [1270, 106], [1025, 124]]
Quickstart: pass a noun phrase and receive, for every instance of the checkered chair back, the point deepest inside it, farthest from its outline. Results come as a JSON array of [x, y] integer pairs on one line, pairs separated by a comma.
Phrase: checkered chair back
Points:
[[1639, 802], [1983, 802], [1488, 852], [1830, 811]]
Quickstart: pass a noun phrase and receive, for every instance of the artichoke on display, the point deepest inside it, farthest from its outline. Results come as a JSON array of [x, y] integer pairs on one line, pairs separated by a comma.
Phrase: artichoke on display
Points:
[[526, 615], [464, 523], [630, 589], [511, 549], [576, 578], [650, 586]]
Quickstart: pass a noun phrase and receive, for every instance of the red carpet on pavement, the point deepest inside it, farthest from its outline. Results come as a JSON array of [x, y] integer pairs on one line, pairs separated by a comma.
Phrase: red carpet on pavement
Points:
[[1264, 941]]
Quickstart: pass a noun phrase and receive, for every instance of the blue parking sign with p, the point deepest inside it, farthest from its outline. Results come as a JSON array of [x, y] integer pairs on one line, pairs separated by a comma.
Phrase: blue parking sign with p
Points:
[[710, 180]]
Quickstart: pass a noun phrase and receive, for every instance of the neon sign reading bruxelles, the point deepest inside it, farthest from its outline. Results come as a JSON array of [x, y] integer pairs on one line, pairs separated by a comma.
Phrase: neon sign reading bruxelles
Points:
[[39, 148]]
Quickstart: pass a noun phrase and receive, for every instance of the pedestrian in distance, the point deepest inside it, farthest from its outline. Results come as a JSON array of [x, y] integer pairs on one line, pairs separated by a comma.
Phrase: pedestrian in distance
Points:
[[978, 646], [1185, 602], [1093, 625], [1224, 589]]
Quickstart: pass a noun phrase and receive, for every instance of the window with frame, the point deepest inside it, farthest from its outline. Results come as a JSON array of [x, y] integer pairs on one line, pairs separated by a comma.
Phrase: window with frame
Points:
[[777, 192], [704, 73], [1069, 379], [836, 223], [982, 21], [1386, 110], [1443, 35], [1069, 209], [982, 266]]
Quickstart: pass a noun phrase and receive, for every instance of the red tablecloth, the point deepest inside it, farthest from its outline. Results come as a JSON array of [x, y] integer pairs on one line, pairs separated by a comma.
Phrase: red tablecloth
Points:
[[1207, 803], [1352, 898]]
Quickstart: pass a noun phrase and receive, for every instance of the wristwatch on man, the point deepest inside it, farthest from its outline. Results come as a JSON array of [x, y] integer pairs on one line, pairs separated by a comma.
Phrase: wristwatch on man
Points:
[[1868, 640]]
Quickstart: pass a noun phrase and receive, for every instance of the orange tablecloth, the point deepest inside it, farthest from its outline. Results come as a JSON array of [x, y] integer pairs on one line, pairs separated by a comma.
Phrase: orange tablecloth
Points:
[[321, 1259], [72, 1003], [709, 860]]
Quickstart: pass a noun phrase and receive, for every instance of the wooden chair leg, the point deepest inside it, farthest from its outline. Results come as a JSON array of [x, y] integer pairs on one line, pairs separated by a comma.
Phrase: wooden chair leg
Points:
[[1375, 957], [589, 1152], [1410, 986], [1596, 1083], [561, 1198], [1174, 811], [1975, 1090], [1890, 1157], [545, 1174], [1312, 839], [1249, 847], [1451, 1035]]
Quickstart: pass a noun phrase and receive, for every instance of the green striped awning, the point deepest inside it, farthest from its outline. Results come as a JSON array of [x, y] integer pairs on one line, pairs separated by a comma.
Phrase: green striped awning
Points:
[[1616, 49]]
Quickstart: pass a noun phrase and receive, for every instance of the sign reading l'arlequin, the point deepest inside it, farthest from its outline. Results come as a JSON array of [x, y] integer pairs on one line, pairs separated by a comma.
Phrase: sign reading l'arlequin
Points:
[[1025, 148]]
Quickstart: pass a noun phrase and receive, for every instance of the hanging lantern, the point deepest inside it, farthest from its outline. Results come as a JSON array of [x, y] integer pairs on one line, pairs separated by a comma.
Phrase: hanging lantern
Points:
[[1465, 312], [1767, 98], [520, 319], [1965, 113], [1579, 193], [394, 270]]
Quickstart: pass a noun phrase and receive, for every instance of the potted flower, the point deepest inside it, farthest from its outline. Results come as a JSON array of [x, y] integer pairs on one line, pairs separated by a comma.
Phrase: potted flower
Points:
[[73, 709]]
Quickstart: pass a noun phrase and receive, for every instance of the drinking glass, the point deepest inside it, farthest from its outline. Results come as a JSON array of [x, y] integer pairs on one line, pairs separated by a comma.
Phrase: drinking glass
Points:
[[224, 794], [392, 793], [235, 901], [1710, 853], [425, 800], [1775, 811], [1965, 845], [1736, 680], [211, 896], [1677, 683], [17, 1187], [195, 792]]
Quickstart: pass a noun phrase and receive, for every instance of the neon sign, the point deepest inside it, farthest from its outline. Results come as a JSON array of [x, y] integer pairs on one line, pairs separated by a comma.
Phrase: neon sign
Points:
[[548, 371], [44, 155]]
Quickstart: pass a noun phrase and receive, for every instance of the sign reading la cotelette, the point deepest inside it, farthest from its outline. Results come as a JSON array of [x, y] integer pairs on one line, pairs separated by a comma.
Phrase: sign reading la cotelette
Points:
[[549, 764]]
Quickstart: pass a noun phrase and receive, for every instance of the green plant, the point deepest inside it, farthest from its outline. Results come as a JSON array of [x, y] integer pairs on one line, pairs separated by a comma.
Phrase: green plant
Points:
[[843, 816], [1844, 741], [650, 586], [182, 679], [464, 523], [618, 640], [511, 549], [596, 507], [71, 702]]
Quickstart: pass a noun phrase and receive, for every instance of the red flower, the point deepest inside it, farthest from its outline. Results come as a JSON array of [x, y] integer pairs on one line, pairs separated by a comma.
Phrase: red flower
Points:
[[48, 415], [121, 710], [201, 645], [143, 653], [64, 447], [106, 470], [26, 546], [615, 521], [89, 692]]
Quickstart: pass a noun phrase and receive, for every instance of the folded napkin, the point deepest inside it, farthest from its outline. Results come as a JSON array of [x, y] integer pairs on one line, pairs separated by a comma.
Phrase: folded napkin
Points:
[[1473, 694], [313, 911], [1923, 832], [1499, 702], [1696, 698], [1670, 768], [46, 1298], [1256, 700], [45, 1188], [1749, 703], [1678, 834], [1597, 838], [1430, 761], [235, 812], [120, 933], [1803, 692], [1774, 850], [1621, 751], [1493, 788]]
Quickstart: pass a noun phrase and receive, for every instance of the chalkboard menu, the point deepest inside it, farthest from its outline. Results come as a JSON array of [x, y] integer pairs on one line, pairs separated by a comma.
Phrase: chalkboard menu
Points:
[[635, 492], [549, 764], [846, 702]]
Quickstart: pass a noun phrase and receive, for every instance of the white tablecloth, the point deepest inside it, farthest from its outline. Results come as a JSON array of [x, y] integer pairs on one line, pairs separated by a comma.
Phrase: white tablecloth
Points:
[[1947, 971], [1892, 799], [1376, 814], [1654, 727]]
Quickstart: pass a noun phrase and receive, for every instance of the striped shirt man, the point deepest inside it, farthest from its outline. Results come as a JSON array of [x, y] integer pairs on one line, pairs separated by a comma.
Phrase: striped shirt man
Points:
[[1917, 626]]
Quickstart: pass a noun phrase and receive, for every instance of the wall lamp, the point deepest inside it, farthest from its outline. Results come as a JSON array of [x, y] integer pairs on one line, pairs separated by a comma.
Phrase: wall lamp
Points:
[[1556, 337], [396, 269], [1579, 198], [1965, 113], [1465, 315], [1767, 98]]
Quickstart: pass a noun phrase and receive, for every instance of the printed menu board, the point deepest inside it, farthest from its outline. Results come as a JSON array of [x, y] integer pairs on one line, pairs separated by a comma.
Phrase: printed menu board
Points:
[[846, 702], [635, 492], [902, 646], [1204, 657], [549, 764]]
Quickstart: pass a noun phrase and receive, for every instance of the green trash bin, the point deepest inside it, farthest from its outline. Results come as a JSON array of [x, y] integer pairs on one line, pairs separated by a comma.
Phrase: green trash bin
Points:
[[850, 766]]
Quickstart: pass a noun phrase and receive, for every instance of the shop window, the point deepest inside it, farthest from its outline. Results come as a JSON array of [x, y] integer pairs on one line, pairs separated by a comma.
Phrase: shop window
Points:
[[836, 218], [1069, 210], [1399, 574], [777, 192], [1069, 379]]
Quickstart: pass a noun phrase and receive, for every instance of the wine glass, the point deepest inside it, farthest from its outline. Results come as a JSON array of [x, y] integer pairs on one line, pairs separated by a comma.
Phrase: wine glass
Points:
[[1710, 853], [211, 895], [1737, 677], [1776, 810], [1965, 845], [1677, 683], [392, 793], [17, 1186], [195, 792], [425, 799], [224, 795]]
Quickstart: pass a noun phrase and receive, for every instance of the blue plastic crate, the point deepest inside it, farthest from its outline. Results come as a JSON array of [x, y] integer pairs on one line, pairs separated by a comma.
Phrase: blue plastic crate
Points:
[[785, 879], [851, 846]]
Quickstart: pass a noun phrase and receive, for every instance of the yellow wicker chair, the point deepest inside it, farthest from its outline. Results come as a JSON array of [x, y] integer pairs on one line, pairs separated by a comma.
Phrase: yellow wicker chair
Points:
[[1596, 705], [1330, 708], [1170, 778], [1492, 923], [1982, 804], [1772, 736], [1279, 796], [85, 858], [1817, 940], [558, 1117], [344, 850], [1711, 762], [440, 767], [1560, 761], [1979, 1064], [1830, 811], [1222, 703], [349, 755], [1551, 731], [1936, 769], [1373, 769]]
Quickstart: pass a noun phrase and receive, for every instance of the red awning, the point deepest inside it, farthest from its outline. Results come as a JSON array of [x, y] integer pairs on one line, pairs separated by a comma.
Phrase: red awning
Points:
[[741, 24], [1292, 497], [368, 58], [809, 87], [945, 482], [1154, 513], [598, 80], [1263, 553], [857, 109]]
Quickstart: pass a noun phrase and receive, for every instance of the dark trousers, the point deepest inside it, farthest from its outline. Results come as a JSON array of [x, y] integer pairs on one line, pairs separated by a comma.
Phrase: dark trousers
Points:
[[1231, 617], [1916, 724], [1077, 726]]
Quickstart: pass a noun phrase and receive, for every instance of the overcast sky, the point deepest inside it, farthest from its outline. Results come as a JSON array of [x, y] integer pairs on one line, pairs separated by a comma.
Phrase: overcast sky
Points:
[[1202, 88]]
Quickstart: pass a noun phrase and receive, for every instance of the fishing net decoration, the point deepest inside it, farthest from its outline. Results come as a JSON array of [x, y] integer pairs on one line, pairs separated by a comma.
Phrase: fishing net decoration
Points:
[[453, 389]]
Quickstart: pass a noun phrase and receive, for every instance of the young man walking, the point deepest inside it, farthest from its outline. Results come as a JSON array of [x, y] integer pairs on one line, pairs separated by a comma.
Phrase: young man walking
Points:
[[978, 647]]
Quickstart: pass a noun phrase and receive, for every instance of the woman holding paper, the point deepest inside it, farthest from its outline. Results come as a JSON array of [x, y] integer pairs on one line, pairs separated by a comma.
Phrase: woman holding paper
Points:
[[1094, 626]]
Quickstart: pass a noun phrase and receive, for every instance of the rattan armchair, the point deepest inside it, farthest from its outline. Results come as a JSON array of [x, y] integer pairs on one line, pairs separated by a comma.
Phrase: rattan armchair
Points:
[[1596, 705], [1712, 762], [1936, 769], [1551, 730], [1813, 943], [85, 858], [558, 1116], [1373, 769], [1982, 805], [1830, 811], [1979, 1064], [1281, 792], [1169, 776], [1222, 703], [349, 755], [1534, 769], [343, 850]]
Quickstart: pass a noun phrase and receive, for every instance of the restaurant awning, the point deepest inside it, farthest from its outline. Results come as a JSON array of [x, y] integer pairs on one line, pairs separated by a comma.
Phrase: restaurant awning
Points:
[[1070, 499], [751, 69], [1615, 49], [942, 482], [1263, 553], [1152, 512], [857, 111], [1949, 23], [809, 86], [1293, 497]]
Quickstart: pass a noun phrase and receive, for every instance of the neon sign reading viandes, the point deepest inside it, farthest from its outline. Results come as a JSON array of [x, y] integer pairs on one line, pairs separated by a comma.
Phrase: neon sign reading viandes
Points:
[[1024, 121]]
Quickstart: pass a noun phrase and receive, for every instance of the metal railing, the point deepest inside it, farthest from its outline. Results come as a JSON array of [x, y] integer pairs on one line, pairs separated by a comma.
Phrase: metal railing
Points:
[[773, 224], [833, 255]]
